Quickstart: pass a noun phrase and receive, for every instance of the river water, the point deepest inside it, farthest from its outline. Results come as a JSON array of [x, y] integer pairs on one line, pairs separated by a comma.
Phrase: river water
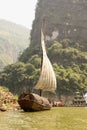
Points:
[[59, 118]]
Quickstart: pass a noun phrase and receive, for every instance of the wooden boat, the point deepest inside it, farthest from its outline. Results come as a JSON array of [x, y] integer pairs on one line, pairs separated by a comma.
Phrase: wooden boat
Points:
[[33, 102], [46, 82]]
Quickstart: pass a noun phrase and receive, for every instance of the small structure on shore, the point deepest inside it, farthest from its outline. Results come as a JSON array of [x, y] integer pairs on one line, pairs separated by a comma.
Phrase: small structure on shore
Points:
[[78, 100]]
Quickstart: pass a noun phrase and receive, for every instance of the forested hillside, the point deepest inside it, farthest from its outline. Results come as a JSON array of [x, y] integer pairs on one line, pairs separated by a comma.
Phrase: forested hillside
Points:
[[66, 44], [13, 40], [66, 41]]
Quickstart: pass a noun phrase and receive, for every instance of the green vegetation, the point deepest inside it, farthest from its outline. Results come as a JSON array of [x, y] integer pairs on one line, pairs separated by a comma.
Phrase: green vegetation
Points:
[[4, 89], [70, 66], [19, 76], [67, 51]]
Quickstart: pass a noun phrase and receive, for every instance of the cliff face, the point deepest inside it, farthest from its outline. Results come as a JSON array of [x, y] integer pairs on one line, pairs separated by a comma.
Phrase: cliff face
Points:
[[13, 40], [63, 19]]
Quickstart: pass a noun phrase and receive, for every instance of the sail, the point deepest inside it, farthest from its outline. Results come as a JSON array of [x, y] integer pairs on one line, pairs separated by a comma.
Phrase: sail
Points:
[[47, 80]]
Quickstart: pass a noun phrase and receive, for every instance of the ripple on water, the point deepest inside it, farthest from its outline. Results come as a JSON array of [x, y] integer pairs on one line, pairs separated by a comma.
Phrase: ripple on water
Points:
[[55, 119]]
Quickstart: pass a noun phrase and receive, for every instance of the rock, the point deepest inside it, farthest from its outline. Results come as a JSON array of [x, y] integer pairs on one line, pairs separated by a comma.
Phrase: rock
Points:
[[8, 101]]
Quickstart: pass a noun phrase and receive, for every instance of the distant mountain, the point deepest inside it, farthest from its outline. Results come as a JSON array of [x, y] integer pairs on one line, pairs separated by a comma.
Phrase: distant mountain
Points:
[[13, 40]]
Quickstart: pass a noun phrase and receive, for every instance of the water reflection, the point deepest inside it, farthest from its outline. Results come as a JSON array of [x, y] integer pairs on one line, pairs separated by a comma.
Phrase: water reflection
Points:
[[56, 119]]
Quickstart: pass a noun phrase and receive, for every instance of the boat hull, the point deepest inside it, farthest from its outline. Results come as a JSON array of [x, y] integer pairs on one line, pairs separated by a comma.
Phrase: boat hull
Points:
[[33, 102]]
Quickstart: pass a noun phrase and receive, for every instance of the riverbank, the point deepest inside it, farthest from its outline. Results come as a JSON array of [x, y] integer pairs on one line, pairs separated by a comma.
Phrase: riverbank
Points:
[[7, 100]]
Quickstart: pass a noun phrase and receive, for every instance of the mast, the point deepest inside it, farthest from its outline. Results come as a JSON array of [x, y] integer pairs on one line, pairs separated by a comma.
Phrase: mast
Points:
[[47, 80]]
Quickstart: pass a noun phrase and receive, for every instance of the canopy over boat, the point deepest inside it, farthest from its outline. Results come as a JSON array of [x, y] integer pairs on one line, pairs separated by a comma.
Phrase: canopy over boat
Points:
[[47, 80]]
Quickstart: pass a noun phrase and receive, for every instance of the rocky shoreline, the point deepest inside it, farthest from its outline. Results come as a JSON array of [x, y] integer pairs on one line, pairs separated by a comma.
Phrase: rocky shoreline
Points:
[[8, 101]]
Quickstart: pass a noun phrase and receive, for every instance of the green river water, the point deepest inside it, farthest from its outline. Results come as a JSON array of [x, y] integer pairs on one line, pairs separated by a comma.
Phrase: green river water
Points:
[[59, 118]]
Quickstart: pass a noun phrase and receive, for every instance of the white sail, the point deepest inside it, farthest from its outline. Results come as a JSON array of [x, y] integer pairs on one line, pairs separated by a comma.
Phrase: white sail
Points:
[[47, 80]]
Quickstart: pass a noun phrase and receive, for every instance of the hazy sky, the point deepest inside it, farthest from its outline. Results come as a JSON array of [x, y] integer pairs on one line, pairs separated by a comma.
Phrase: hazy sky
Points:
[[18, 11]]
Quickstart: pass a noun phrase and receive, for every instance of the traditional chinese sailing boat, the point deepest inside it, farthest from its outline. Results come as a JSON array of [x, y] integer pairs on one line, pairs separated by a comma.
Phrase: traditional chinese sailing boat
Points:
[[46, 82]]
